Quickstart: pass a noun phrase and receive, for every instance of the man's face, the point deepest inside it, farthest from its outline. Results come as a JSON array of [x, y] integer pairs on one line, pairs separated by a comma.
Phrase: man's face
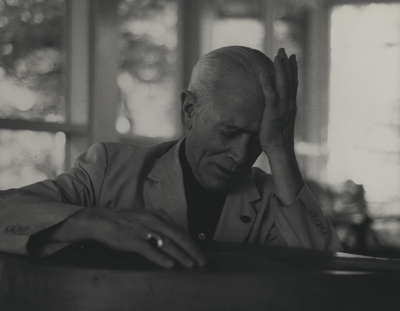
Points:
[[222, 144]]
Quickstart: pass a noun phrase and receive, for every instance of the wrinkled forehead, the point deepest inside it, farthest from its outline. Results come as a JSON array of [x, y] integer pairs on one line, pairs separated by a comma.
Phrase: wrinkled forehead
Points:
[[232, 62]]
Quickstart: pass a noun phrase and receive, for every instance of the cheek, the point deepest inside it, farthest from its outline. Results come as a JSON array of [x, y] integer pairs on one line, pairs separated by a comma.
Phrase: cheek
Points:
[[201, 146], [217, 150]]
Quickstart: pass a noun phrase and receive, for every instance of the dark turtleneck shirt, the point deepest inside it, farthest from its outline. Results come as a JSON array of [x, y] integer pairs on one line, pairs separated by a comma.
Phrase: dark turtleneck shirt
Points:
[[203, 207]]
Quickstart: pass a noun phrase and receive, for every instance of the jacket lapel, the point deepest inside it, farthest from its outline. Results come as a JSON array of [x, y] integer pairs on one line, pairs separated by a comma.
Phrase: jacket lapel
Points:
[[168, 192], [238, 214]]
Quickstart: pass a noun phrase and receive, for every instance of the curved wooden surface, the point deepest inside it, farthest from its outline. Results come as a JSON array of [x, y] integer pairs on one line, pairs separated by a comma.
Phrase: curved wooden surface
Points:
[[236, 277]]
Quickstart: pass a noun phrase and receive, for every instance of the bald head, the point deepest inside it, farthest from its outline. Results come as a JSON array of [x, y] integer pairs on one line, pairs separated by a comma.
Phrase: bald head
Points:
[[228, 64]]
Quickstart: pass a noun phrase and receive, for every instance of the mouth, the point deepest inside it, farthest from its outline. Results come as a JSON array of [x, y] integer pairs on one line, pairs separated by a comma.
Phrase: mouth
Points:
[[228, 173]]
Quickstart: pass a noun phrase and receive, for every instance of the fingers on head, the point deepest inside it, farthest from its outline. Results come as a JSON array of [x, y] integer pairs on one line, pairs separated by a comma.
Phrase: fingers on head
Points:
[[280, 71], [286, 65], [289, 65], [295, 72]]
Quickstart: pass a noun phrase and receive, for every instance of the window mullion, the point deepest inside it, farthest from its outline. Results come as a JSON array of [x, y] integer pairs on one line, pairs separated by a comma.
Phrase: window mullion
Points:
[[78, 66]]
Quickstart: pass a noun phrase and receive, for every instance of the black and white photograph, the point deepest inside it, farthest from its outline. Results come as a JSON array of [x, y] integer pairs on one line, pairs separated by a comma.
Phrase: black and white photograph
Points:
[[199, 155]]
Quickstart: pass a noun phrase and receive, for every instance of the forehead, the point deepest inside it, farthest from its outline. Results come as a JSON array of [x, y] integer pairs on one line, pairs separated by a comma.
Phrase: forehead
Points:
[[238, 104]]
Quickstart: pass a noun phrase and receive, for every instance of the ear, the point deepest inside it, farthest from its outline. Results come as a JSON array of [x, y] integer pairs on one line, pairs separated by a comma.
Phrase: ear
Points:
[[188, 100]]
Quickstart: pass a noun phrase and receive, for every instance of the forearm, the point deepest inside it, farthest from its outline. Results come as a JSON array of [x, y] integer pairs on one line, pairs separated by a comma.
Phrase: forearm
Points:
[[124, 231], [23, 215], [77, 228], [287, 178], [303, 224]]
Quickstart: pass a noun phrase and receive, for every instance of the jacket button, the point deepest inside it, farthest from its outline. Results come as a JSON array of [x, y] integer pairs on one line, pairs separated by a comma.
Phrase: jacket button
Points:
[[318, 222], [324, 230], [245, 219], [312, 213]]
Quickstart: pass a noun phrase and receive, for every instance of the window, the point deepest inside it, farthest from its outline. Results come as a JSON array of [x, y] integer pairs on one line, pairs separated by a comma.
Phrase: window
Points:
[[32, 91], [43, 88], [148, 52], [364, 119]]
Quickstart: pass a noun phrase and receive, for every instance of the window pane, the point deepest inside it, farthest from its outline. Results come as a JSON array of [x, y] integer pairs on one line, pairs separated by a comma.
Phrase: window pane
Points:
[[32, 82], [27, 157], [147, 78], [237, 23], [364, 137], [238, 31]]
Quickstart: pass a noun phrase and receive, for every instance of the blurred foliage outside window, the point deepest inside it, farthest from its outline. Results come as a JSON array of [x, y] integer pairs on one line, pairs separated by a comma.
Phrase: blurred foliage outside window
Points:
[[148, 73], [32, 87], [238, 31], [32, 82], [237, 23], [28, 156]]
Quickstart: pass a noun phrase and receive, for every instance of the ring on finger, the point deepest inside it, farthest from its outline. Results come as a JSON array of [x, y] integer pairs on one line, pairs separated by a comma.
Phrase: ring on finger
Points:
[[155, 240]]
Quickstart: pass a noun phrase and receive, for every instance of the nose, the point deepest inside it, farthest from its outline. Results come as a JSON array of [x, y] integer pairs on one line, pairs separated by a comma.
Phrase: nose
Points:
[[238, 152]]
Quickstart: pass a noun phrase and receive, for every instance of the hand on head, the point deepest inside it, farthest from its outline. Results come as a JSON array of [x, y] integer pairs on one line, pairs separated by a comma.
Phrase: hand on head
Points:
[[277, 129]]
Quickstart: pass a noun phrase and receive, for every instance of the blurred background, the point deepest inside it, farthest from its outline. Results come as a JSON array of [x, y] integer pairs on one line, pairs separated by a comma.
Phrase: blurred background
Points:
[[74, 72]]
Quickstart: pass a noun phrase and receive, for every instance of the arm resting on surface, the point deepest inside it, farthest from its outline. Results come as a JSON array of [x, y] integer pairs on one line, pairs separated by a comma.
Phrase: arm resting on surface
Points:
[[29, 210], [127, 231], [45, 217], [23, 215]]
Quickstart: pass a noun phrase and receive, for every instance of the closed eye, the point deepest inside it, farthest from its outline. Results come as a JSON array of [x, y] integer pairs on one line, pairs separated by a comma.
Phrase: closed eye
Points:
[[229, 133]]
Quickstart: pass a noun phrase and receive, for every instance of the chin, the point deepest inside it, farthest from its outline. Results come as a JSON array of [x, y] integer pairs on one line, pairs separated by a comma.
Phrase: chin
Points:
[[220, 187]]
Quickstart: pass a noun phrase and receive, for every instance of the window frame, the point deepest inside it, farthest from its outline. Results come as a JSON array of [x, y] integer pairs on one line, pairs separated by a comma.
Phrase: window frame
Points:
[[89, 117]]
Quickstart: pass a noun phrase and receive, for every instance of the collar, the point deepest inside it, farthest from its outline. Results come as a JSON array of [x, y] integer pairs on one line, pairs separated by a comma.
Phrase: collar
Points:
[[168, 194]]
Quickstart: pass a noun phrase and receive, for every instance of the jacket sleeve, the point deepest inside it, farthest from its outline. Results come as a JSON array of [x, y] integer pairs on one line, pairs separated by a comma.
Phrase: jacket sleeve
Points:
[[31, 209], [302, 224]]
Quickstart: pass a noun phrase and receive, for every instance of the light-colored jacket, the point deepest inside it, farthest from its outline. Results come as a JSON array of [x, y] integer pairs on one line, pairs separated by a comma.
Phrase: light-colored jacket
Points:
[[124, 176]]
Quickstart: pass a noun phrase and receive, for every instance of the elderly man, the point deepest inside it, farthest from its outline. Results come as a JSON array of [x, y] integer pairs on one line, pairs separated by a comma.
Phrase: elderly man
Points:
[[158, 201]]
